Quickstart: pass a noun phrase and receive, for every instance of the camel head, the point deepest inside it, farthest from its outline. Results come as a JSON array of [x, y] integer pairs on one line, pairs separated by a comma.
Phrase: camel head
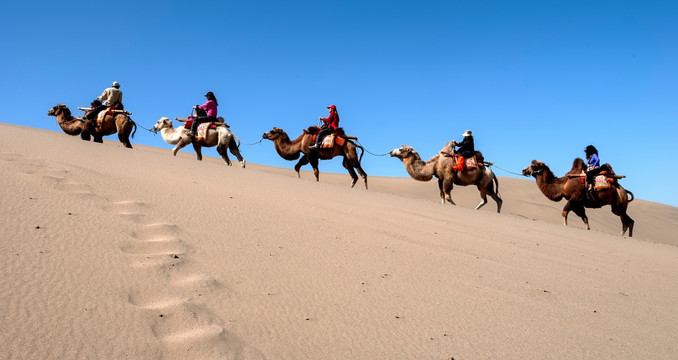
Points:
[[58, 110], [403, 152], [163, 123], [274, 134], [535, 168]]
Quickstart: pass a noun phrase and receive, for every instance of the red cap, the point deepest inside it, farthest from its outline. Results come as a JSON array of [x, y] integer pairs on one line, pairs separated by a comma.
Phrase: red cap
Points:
[[332, 107]]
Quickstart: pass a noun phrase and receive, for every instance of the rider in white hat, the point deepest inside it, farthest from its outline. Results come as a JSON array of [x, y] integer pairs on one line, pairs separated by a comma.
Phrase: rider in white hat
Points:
[[466, 149], [111, 97]]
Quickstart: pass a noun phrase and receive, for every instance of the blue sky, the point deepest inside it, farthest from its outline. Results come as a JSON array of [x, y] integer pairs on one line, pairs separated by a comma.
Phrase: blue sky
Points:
[[531, 79]]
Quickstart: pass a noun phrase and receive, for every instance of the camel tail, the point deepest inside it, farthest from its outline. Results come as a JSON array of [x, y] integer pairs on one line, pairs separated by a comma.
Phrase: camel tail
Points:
[[496, 183], [629, 193], [135, 127], [362, 152]]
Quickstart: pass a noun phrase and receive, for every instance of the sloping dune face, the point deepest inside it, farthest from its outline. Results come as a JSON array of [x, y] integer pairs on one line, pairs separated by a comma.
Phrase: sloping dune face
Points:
[[118, 253]]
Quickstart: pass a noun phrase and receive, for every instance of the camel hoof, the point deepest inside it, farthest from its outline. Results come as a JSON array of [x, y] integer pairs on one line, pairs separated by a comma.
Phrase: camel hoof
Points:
[[242, 163]]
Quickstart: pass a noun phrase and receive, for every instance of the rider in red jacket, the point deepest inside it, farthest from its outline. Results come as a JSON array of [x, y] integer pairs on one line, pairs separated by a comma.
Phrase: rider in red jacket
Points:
[[331, 124]]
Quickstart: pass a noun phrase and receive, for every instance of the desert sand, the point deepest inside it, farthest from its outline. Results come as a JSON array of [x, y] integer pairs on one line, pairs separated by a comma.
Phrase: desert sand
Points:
[[115, 253]]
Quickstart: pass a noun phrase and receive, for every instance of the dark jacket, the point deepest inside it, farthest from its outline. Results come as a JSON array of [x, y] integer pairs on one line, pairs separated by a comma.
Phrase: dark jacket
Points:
[[466, 147]]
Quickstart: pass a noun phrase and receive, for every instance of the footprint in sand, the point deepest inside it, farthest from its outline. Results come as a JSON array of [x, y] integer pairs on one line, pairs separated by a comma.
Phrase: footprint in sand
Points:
[[131, 209]]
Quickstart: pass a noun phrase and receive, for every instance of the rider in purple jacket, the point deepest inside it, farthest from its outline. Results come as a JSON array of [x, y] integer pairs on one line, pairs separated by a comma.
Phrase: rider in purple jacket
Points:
[[210, 108]]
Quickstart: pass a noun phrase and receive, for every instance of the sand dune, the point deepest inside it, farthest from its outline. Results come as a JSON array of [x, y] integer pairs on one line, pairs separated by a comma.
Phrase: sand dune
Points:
[[116, 253]]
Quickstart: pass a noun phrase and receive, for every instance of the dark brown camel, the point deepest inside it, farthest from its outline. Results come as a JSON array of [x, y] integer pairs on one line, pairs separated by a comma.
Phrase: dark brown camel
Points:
[[573, 190], [121, 124], [292, 149]]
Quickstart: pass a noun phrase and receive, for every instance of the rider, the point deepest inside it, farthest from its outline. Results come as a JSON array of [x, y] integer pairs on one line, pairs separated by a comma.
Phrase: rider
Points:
[[111, 97], [331, 124], [210, 107], [593, 165], [466, 150]]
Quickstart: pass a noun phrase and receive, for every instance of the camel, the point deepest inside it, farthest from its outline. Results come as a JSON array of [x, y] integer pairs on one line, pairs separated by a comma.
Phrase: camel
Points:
[[221, 137], [440, 166], [292, 149], [118, 123], [573, 190]]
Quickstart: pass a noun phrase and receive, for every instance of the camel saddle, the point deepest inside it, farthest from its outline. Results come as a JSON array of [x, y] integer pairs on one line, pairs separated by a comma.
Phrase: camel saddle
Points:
[[336, 138], [111, 110], [189, 123], [602, 181], [470, 163]]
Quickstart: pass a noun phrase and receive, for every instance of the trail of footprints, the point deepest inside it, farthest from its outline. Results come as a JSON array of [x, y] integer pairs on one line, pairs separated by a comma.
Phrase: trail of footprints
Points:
[[183, 322], [158, 250]]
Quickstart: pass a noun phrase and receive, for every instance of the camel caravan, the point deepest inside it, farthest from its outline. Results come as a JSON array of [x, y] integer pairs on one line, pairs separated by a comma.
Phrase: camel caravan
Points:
[[451, 166]]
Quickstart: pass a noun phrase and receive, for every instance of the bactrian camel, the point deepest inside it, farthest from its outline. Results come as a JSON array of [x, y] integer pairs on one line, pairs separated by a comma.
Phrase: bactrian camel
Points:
[[292, 149], [440, 166], [119, 123], [221, 137], [571, 188]]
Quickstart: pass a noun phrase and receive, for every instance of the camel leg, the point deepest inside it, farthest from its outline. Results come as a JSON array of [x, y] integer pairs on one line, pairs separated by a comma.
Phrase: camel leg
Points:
[[124, 130], [85, 135], [483, 197], [182, 143], [233, 148], [98, 138], [581, 212], [494, 193], [566, 210], [362, 173], [221, 149], [446, 186], [627, 222], [303, 161], [499, 201], [124, 139], [314, 164], [198, 151], [347, 166]]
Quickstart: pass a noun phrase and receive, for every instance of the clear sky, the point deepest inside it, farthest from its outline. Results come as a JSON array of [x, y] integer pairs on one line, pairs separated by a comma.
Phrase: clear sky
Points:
[[531, 79]]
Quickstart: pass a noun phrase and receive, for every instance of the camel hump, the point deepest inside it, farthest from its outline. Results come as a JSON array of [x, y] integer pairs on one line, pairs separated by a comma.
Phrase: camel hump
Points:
[[312, 130], [340, 132]]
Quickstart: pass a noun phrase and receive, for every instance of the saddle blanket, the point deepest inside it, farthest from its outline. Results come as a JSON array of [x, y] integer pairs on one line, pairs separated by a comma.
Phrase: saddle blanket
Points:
[[330, 140], [471, 163], [201, 132], [601, 182]]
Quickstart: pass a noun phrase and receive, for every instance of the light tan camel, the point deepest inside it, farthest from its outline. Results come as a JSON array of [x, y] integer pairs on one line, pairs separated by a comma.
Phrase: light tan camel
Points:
[[121, 124], [440, 166], [292, 149], [573, 190], [221, 137]]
